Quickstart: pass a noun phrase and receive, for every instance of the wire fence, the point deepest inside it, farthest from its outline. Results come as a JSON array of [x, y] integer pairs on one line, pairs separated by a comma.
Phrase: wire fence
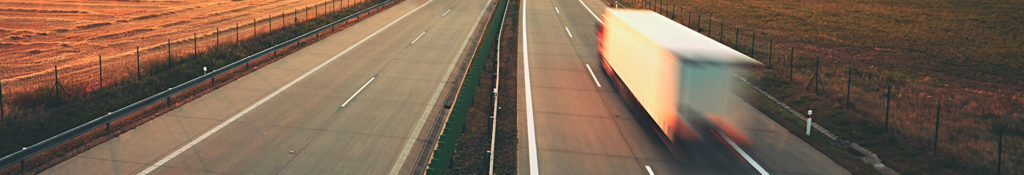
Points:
[[81, 73]]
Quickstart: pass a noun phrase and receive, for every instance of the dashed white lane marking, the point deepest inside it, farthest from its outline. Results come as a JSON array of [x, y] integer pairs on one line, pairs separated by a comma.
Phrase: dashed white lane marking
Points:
[[357, 92], [268, 97], [446, 12], [649, 170], [556, 11], [411, 139], [567, 31], [592, 75], [417, 38], [744, 154]]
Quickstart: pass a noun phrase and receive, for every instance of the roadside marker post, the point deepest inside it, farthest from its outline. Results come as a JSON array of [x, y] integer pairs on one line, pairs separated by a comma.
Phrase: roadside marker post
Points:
[[809, 112]]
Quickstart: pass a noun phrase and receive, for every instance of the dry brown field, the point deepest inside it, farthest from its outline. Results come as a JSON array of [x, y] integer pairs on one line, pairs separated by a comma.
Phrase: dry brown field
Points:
[[37, 36], [962, 55]]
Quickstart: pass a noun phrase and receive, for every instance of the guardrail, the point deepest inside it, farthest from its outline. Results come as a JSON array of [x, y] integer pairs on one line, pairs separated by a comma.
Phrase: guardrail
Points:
[[42, 146], [441, 156]]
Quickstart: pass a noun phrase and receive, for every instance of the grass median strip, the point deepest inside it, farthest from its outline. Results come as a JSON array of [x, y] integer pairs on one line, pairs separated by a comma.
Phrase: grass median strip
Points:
[[460, 152]]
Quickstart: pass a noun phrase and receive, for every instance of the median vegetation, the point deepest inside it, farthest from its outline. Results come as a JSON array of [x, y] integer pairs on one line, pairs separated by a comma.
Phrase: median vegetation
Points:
[[465, 144]]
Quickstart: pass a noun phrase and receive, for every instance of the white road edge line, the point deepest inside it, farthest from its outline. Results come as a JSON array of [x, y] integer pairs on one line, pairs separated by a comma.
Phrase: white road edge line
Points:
[[417, 38], [744, 154], [357, 92], [556, 11], [446, 12], [530, 135], [649, 170], [267, 98], [592, 75], [567, 31], [591, 11], [411, 140]]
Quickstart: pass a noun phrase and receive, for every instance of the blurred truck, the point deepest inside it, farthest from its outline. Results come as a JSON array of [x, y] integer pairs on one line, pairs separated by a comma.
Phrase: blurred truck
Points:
[[673, 76]]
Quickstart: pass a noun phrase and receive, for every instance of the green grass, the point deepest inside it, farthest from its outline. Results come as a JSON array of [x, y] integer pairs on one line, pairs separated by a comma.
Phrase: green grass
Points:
[[466, 137], [40, 115]]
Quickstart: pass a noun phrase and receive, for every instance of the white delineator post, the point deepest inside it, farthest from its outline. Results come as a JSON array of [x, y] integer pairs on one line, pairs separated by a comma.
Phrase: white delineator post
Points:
[[809, 112]]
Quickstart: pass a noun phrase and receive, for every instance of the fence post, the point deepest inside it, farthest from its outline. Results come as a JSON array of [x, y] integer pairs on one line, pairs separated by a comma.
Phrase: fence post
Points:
[[753, 35], [791, 65], [935, 142], [195, 46], [675, 10], [999, 152], [1, 102], [218, 37], [698, 22], [254, 28], [168, 54], [236, 33], [737, 42], [101, 71], [709, 25], [888, 96], [270, 23], [817, 74], [849, 79], [813, 83], [56, 83], [138, 66], [721, 32], [658, 5], [689, 20], [771, 46]]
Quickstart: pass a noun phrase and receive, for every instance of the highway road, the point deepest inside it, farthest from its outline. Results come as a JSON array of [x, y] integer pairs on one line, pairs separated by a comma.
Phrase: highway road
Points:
[[357, 102], [571, 121]]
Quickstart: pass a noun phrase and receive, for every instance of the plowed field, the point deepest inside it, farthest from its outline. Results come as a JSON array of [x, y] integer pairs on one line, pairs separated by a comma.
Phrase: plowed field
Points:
[[36, 36]]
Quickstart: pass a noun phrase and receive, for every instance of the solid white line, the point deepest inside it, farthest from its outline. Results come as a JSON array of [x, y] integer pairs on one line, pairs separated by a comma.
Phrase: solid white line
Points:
[[591, 11], [556, 11], [446, 12], [530, 135], [592, 75], [744, 154], [268, 97], [357, 92], [649, 170], [411, 139], [567, 31], [417, 38]]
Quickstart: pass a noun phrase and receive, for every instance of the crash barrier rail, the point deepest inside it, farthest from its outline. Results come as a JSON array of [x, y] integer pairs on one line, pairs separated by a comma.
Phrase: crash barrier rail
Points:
[[444, 150]]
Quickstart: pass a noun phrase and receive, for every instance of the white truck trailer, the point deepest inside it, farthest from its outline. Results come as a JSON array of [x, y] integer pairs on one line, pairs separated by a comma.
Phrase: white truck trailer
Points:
[[677, 77]]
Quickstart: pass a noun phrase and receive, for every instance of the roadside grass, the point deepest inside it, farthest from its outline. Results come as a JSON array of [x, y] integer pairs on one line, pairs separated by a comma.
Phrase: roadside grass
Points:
[[40, 114]]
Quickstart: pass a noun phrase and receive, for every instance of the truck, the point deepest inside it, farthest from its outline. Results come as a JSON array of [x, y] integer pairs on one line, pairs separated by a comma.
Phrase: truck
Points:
[[675, 78]]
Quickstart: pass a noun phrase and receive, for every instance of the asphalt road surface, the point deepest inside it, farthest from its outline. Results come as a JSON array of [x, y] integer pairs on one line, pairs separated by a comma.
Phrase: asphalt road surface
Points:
[[352, 103], [580, 125]]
